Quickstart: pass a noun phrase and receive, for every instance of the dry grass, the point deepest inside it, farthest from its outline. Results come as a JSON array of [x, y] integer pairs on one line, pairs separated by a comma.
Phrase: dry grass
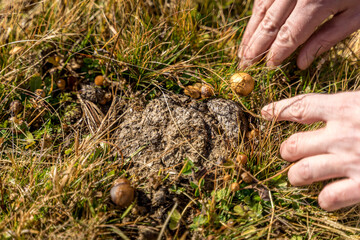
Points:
[[55, 183]]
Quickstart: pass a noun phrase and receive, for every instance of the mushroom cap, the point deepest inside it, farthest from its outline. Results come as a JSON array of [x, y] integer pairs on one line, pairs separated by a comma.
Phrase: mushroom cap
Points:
[[241, 159], [246, 177], [234, 187], [192, 92], [242, 83], [99, 80], [122, 193], [206, 91], [61, 83]]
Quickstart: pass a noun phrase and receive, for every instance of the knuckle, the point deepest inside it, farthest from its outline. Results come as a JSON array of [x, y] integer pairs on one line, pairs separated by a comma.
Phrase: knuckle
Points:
[[261, 8], [305, 170], [285, 36], [269, 24], [298, 108], [291, 147]]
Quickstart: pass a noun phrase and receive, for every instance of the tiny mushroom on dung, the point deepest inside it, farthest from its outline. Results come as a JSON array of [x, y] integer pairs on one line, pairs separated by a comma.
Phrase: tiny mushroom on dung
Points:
[[192, 91], [122, 193], [242, 83], [206, 91], [103, 101], [99, 80]]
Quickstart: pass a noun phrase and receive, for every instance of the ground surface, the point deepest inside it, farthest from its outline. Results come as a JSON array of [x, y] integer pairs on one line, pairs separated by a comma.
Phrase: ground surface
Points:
[[64, 140]]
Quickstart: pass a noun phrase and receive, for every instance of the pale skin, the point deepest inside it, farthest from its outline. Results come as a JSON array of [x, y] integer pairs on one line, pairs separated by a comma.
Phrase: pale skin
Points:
[[277, 28]]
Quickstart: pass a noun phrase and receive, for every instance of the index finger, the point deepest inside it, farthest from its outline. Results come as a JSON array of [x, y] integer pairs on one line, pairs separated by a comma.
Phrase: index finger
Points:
[[306, 109]]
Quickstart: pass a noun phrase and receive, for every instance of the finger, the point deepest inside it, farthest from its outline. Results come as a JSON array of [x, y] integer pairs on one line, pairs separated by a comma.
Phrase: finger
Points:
[[305, 144], [339, 194], [308, 108], [332, 32], [267, 30], [299, 26], [259, 11], [316, 168]]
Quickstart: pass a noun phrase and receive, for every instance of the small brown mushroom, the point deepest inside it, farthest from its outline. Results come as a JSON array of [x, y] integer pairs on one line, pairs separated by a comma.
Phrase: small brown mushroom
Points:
[[122, 193], [61, 84], [253, 134], [108, 96], [241, 159], [192, 92], [227, 178], [246, 177], [99, 80], [234, 187], [231, 223], [206, 91], [242, 83]]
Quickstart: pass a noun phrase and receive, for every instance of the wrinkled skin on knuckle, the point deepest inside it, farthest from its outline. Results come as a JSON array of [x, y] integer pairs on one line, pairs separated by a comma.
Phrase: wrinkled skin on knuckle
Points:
[[285, 37], [260, 8], [249, 54], [268, 24], [298, 108]]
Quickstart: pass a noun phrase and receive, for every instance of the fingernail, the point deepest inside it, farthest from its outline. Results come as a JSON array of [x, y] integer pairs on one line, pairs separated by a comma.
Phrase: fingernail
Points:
[[266, 112]]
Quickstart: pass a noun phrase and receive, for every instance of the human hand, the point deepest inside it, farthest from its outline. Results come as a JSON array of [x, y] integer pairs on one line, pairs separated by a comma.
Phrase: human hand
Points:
[[279, 27], [330, 152]]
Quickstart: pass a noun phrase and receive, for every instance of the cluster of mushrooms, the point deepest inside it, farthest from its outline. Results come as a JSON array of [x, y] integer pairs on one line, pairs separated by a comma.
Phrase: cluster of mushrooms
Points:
[[240, 83]]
